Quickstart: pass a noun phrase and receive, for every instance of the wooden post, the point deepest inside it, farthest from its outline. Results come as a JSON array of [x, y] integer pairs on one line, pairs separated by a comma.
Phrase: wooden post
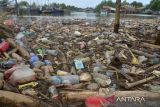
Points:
[[117, 16], [157, 42]]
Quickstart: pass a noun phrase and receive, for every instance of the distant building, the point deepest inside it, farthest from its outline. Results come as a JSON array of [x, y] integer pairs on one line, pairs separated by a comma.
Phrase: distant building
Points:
[[52, 11], [125, 9], [107, 9], [128, 9]]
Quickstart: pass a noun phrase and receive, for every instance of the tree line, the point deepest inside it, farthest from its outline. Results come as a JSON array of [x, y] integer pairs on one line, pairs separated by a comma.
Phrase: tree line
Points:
[[56, 5], [153, 5]]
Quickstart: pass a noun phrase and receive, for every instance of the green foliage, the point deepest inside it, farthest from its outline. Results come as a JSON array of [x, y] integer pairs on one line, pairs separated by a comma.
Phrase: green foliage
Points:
[[4, 3], [154, 5], [23, 4], [34, 5], [137, 4], [104, 3], [125, 2], [112, 4], [66, 7]]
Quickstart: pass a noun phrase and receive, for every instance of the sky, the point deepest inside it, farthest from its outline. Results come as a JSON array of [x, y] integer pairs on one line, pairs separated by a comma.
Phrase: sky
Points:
[[79, 3]]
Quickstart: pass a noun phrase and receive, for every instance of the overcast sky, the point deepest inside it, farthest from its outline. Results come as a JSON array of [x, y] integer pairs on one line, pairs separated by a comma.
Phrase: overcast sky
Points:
[[78, 3]]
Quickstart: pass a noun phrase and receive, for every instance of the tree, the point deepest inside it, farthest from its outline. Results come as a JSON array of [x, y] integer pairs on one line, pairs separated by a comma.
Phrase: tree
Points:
[[23, 4], [34, 5], [63, 6], [154, 5], [125, 2], [117, 16], [137, 4], [104, 3], [4, 3]]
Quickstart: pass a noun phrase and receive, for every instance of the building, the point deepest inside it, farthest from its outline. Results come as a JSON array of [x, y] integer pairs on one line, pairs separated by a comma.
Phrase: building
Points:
[[52, 11], [128, 9], [125, 9], [107, 9]]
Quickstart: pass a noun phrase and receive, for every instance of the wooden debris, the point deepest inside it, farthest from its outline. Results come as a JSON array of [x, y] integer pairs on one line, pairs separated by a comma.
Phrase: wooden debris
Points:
[[18, 100], [130, 85], [152, 68], [150, 45], [73, 96]]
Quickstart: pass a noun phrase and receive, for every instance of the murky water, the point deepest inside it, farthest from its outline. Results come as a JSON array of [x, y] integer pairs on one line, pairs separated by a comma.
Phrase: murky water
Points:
[[94, 16]]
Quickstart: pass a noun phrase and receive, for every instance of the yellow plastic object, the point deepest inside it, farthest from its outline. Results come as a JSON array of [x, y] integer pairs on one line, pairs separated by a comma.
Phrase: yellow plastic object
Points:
[[135, 61], [31, 84], [62, 73]]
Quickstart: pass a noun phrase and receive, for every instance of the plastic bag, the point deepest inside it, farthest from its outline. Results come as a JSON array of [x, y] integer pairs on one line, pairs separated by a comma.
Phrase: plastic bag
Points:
[[22, 74]]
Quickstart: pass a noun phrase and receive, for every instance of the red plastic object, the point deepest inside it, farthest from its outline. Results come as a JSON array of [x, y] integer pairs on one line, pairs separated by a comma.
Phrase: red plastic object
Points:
[[9, 22], [4, 46], [96, 101]]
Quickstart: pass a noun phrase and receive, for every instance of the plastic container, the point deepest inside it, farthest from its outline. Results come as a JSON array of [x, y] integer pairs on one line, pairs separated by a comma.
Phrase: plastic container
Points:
[[4, 46], [65, 80], [23, 74], [70, 79], [78, 64], [52, 52]]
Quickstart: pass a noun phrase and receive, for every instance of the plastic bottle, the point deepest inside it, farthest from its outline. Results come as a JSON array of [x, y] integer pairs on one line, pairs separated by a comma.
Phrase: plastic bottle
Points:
[[101, 79], [65, 80], [34, 58], [37, 64], [47, 62], [4, 46], [52, 52], [55, 80], [70, 79]]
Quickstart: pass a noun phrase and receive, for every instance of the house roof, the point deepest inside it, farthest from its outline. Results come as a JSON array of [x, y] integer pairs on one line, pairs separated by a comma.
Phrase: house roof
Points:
[[108, 7]]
